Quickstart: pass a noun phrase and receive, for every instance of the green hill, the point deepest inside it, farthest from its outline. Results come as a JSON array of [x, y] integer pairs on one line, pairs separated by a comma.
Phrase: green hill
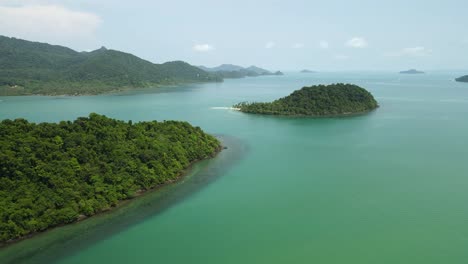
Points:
[[37, 68], [53, 174], [319, 100], [462, 79]]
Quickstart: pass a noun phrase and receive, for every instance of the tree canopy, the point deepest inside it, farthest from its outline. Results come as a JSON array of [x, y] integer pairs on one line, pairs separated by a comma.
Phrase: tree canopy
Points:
[[318, 100], [55, 173]]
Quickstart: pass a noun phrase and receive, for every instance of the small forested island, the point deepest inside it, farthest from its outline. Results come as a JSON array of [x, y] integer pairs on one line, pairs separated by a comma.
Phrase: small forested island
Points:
[[318, 100], [230, 71], [57, 173], [462, 79], [412, 71], [307, 71], [39, 68]]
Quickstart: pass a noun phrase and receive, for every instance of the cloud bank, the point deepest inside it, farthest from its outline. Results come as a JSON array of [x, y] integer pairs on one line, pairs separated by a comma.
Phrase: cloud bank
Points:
[[51, 23], [270, 45], [324, 44], [202, 47], [357, 42]]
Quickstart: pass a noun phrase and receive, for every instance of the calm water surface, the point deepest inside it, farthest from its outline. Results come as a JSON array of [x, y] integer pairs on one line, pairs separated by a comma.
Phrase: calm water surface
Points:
[[386, 187]]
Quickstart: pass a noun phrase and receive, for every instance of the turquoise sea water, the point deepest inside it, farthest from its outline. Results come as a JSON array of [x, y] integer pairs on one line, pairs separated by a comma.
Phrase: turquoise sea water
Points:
[[386, 187]]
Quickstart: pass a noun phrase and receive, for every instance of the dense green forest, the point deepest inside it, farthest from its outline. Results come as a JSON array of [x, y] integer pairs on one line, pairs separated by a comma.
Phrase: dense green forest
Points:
[[318, 100], [462, 79], [37, 68], [56, 173]]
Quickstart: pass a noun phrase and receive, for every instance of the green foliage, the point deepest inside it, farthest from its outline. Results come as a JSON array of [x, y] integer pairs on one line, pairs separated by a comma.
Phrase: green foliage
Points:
[[462, 79], [50, 174], [319, 100], [37, 68]]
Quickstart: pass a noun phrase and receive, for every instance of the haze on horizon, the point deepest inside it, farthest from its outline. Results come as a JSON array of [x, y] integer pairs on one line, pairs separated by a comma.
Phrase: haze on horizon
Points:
[[278, 35]]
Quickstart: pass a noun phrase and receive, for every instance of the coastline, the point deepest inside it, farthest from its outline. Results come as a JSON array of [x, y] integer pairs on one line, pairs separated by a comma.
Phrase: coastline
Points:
[[139, 193], [115, 90], [311, 116]]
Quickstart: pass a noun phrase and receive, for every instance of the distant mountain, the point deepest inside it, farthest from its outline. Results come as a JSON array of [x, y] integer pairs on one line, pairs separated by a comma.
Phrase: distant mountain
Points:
[[235, 71], [223, 67], [38, 68], [411, 71], [462, 79], [307, 71], [258, 70]]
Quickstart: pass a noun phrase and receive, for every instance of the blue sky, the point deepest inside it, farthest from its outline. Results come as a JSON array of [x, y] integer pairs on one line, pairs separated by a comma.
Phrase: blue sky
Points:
[[279, 35]]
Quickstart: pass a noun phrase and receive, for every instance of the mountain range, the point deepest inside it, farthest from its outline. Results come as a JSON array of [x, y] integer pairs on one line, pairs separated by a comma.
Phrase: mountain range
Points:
[[235, 71], [28, 67]]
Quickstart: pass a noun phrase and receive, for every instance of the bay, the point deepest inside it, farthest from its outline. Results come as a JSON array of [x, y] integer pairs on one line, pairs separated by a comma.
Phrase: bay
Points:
[[385, 187]]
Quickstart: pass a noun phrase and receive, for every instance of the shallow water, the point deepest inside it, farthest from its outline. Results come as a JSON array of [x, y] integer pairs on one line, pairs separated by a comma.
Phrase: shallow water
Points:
[[386, 187]]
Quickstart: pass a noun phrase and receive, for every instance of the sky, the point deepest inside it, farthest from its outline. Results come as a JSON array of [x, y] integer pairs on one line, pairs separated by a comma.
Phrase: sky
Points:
[[326, 35]]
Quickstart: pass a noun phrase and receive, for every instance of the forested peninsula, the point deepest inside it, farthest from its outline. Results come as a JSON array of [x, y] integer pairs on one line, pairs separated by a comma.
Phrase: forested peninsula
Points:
[[318, 100], [57, 173], [38, 68]]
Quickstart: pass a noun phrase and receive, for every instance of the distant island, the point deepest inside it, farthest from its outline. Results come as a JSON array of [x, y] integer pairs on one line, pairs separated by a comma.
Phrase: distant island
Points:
[[412, 71], [307, 71], [38, 68], [318, 100], [462, 79], [58, 173], [231, 71]]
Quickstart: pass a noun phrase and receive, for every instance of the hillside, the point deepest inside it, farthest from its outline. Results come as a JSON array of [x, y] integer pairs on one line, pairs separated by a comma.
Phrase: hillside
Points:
[[37, 68], [319, 100]]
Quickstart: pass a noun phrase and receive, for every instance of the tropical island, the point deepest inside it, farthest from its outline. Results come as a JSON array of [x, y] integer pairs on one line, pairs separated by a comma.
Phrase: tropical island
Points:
[[38, 68], [307, 71], [318, 100], [230, 71], [412, 71], [57, 173], [462, 79]]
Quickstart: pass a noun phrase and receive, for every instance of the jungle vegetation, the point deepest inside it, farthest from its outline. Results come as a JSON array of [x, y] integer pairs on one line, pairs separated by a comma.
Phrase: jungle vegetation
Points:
[[56, 173], [318, 100]]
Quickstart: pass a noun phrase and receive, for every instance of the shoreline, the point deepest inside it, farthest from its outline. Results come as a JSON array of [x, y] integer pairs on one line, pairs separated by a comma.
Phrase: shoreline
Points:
[[139, 193], [310, 116], [116, 90]]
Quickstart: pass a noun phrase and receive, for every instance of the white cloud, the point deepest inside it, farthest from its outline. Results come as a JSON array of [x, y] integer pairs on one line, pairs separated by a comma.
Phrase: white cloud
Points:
[[340, 57], [324, 44], [298, 45], [203, 47], [357, 42], [47, 23], [410, 52], [270, 45]]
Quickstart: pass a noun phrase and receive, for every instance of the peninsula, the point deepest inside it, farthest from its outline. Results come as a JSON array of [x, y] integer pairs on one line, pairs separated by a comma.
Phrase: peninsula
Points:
[[54, 174], [462, 79], [38, 68], [319, 100]]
